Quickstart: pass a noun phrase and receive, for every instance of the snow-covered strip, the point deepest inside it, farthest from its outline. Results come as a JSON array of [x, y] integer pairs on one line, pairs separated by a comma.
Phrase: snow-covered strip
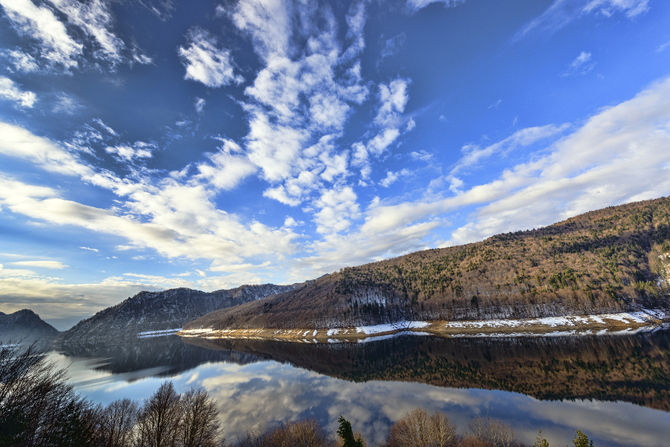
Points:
[[196, 332], [639, 317], [570, 333], [162, 333], [381, 328], [389, 336]]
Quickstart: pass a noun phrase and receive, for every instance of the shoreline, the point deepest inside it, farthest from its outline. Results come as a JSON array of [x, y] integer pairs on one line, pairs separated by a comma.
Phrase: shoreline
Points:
[[644, 320]]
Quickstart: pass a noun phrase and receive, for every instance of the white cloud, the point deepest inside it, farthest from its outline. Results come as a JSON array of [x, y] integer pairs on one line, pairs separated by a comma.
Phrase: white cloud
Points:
[[392, 177], [631, 8], [178, 220], [337, 207], [297, 105], [22, 61], [20, 143], [415, 5], [106, 127], [474, 154], [392, 46], [51, 297], [9, 91], [269, 24], [200, 104], [411, 124], [226, 170], [90, 249], [94, 18], [41, 264], [160, 8], [176, 217], [67, 104], [392, 100], [40, 23], [139, 57], [207, 63], [615, 157], [128, 153], [495, 104], [580, 65], [59, 49], [562, 12], [421, 155]]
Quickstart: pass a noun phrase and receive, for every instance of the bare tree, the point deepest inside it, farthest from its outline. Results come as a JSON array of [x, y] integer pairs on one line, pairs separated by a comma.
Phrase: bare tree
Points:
[[418, 428], [494, 432], [37, 407], [305, 433], [116, 423], [159, 420], [199, 425]]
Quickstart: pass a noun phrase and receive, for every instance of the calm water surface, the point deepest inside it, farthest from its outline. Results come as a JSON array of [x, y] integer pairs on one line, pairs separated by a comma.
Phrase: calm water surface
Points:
[[615, 389]]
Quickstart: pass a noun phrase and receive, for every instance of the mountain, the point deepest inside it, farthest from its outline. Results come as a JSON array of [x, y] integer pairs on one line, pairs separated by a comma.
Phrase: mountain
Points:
[[159, 311], [25, 326], [612, 260]]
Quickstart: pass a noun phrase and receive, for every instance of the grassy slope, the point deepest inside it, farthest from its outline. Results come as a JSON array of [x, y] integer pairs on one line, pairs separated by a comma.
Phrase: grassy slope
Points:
[[601, 261]]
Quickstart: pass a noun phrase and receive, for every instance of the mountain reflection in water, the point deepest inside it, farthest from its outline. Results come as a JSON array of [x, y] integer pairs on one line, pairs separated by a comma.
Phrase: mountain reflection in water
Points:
[[613, 368], [582, 382]]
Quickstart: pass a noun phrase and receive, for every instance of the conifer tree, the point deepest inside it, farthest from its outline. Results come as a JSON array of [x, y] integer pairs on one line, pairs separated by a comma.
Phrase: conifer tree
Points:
[[581, 440], [347, 434]]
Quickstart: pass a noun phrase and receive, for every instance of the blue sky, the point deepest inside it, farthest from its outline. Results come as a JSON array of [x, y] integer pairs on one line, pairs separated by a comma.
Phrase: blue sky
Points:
[[158, 143]]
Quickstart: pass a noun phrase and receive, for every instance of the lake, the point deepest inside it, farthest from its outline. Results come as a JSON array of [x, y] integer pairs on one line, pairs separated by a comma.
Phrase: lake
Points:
[[614, 388]]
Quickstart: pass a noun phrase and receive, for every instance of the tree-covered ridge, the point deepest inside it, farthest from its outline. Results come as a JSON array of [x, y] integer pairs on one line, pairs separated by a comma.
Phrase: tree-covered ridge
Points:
[[603, 260], [610, 260]]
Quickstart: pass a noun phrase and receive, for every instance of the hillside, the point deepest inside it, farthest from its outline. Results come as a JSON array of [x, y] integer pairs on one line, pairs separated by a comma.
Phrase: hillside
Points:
[[611, 260], [158, 311], [25, 326]]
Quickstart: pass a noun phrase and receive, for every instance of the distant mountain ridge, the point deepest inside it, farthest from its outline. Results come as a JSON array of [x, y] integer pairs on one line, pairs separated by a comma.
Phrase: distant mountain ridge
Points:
[[25, 326], [607, 261], [156, 311]]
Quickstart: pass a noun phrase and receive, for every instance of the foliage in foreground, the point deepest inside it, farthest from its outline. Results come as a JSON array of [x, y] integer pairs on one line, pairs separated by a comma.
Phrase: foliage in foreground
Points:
[[38, 408]]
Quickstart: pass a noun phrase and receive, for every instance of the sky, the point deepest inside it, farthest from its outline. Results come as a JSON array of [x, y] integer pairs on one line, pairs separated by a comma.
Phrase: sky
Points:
[[154, 144]]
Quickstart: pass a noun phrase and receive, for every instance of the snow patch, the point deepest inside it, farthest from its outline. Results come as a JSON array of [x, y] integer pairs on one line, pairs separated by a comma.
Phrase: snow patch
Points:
[[162, 333], [381, 328], [639, 317]]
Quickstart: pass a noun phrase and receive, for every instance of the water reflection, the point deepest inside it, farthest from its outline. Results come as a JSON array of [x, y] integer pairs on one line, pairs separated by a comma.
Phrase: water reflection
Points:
[[374, 384]]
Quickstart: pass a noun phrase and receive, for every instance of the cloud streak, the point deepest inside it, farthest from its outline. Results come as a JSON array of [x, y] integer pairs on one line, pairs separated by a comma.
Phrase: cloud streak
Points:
[[562, 12], [10, 91], [60, 49]]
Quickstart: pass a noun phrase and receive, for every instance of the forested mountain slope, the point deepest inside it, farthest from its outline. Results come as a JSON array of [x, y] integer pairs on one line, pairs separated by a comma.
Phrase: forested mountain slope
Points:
[[156, 311], [610, 260]]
